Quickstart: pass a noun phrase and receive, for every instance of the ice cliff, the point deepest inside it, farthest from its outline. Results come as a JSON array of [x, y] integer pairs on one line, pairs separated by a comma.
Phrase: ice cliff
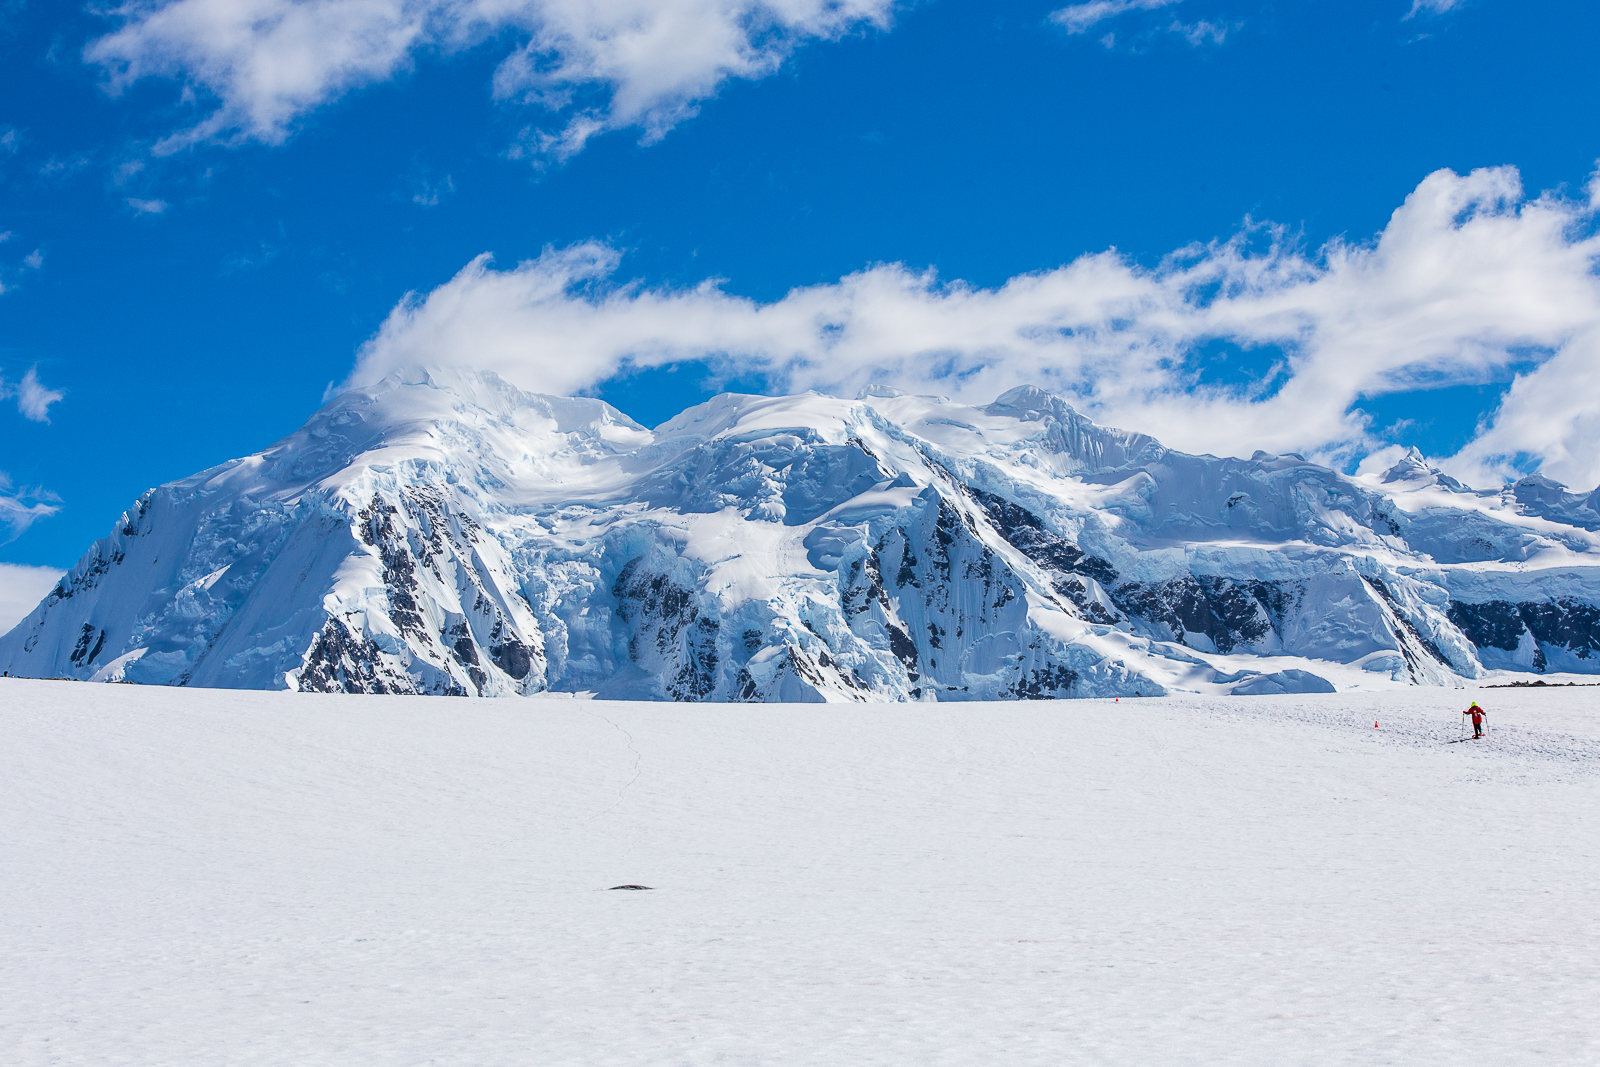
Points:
[[443, 532]]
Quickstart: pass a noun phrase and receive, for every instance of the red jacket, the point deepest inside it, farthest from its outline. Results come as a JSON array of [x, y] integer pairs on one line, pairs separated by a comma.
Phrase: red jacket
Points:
[[1477, 714]]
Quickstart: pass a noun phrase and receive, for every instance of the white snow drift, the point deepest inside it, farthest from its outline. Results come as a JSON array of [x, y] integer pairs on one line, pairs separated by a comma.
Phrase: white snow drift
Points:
[[196, 877]]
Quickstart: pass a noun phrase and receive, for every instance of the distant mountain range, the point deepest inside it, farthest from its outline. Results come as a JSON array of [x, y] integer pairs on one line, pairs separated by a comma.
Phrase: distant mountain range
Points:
[[443, 532]]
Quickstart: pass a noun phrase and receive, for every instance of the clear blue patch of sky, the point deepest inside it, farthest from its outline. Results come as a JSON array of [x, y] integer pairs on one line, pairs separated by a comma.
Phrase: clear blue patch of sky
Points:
[[1438, 421], [652, 395], [1256, 371], [978, 141]]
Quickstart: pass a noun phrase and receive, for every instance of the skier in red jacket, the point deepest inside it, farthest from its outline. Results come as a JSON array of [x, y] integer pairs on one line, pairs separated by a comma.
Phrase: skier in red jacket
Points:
[[1478, 715]]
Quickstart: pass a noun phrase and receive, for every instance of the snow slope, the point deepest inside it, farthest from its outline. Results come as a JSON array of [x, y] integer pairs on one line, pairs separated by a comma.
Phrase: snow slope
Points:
[[211, 877], [444, 533]]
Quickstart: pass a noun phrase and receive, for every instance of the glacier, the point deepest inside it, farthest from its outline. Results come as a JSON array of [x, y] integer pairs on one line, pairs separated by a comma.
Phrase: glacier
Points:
[[442, 532]]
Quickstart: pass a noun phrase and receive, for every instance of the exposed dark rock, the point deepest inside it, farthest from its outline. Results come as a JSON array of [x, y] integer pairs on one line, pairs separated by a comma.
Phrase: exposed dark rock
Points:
[[82, 654], [513, 657], [340, 661], [1564, 623], [1027, 533], [669, 628], [1228, 612], [1047, 683], [1400, 613], [1495, 624]]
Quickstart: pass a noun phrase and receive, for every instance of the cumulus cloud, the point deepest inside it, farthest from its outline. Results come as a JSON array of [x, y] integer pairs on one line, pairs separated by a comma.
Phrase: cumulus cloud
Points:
[[598, 64], [1470, 281], [21, 589]]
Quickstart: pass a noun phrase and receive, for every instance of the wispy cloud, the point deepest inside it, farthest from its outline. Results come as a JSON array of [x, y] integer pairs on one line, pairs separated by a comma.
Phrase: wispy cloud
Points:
[[20, 508], [1471, 281], [1201, 32], [33, 396], [1437, 7], [30, 262], [428, 193], [596, 64], [147, 207], [1080, 18]]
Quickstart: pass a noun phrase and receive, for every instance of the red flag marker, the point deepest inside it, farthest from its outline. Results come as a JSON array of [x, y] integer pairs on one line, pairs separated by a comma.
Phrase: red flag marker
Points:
[[1374, 726]]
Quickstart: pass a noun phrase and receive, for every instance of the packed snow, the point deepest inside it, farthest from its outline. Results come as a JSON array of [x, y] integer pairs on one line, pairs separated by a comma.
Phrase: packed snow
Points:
[[233, 877]]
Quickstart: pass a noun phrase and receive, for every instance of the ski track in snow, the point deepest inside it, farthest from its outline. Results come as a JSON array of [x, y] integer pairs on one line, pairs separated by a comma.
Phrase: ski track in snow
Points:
[[222, 877], [633, 777]]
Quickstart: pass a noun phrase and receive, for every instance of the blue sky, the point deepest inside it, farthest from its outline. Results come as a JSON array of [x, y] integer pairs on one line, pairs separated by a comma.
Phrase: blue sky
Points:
[[1342, 228]]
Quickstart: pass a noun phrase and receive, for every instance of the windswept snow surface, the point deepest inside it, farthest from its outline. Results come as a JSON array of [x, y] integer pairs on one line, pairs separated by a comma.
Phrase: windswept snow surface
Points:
[[211, 877], [445, 533]]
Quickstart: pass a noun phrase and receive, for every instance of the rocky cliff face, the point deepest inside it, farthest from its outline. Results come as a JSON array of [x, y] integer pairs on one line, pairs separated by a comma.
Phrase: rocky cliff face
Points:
[[445, 533]]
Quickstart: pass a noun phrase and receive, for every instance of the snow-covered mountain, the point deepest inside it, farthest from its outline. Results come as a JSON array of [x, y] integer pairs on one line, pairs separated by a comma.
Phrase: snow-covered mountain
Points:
[[443, 532]]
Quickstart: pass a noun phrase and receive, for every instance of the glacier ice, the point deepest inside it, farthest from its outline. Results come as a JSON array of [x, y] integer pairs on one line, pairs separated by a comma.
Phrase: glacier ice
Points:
[[443, 532]]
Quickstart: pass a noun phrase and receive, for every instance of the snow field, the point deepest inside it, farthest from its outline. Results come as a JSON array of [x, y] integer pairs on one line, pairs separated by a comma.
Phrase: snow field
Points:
[[218, 877]]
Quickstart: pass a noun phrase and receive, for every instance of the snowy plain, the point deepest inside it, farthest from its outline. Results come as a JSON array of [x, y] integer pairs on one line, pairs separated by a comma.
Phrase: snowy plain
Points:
[[219, 877]]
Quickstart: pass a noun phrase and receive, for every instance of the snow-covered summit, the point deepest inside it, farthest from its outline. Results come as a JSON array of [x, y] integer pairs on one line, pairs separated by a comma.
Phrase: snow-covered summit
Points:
[[442, 531]]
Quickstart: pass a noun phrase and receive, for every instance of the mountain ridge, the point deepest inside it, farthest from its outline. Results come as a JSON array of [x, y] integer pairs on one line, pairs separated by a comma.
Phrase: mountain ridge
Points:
[[444, 532]]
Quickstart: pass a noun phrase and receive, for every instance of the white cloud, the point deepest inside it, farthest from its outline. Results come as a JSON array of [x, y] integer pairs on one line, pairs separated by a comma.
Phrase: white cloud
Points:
[[602, 64], [21, 589], [1078, 18], [1199, 33], [33, 397], [1470, 281], [147, 207], [21, 508], [1437, 7], [428, 193], [32, 261]]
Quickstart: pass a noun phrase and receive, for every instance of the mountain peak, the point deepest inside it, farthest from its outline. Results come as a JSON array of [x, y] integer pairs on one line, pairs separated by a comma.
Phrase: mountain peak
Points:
[[1027, 401], [441, 531]]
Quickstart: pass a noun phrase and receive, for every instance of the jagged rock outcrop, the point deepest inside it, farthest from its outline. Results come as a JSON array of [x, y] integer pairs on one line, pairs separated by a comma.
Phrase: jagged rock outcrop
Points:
[[443, 532]]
